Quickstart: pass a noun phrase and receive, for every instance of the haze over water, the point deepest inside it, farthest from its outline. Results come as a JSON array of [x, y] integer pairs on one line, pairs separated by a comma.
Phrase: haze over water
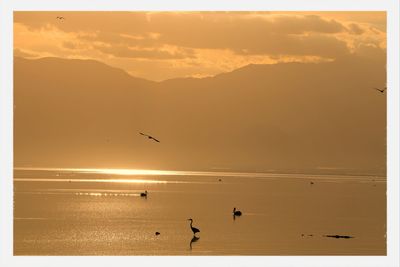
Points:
[[101, 212]]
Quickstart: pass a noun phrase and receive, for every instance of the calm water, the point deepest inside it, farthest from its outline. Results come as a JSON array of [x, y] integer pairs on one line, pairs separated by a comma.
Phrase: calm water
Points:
[[91, 212]]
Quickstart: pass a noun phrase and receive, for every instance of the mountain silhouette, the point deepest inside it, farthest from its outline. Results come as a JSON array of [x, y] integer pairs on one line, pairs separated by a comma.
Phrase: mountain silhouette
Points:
[[259, 117]]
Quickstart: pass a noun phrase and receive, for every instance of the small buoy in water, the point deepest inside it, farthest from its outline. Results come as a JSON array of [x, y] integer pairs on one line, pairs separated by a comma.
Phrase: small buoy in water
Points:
[[157, 233]]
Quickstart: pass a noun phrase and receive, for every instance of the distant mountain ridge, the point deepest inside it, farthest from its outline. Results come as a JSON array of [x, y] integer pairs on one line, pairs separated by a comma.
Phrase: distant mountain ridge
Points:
[[293, 115]]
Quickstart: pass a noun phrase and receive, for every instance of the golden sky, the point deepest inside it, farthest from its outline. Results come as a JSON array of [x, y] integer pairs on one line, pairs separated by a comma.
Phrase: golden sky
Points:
[[164, 45]]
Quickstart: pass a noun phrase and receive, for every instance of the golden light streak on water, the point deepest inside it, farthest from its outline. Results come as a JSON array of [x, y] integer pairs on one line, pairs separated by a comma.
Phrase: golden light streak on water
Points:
[[143, 172], [138, 181]]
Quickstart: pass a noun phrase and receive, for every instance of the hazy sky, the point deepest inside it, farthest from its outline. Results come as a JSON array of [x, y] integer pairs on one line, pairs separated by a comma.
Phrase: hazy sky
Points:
[[164, 45]]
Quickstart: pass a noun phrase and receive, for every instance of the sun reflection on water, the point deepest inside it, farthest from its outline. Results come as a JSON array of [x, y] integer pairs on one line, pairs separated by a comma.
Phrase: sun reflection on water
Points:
[[137, 181]]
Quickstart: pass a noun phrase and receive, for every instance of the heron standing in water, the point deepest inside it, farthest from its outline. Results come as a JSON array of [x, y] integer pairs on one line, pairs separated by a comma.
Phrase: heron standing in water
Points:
[[194, 229]]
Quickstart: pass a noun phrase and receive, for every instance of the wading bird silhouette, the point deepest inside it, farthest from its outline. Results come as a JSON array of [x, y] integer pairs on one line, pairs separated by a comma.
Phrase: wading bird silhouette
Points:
[[380, 90], [194, 229], [150, 137]]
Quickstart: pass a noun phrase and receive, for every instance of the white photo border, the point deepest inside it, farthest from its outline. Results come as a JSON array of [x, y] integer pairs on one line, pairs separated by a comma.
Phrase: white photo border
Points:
[[7, 7]]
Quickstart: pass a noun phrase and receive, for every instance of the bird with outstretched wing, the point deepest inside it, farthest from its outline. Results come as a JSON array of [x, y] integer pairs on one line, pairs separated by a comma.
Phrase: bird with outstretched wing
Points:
[[380, 90], [150, 137]]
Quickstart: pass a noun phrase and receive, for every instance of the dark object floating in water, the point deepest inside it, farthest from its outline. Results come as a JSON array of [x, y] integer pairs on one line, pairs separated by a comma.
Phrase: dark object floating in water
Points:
[[157, 233], [143, 194], [220, 180], [236, 212], [311, 183], [339, 236]]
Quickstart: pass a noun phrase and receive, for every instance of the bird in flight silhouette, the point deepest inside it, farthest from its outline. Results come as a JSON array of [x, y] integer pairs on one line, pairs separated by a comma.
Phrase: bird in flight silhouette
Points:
[[150, 137], [381, 90]]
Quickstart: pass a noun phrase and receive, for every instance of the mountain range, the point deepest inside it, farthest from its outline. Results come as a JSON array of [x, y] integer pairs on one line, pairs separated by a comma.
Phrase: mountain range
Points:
[[286, 116]]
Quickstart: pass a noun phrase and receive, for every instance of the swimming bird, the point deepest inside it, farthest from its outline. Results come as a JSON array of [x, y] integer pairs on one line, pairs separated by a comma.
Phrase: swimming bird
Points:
[[236, 212], [157, 233], [311, 183], [150, 137], [381, 90], [143, 194], [60, 18], [194, 229]]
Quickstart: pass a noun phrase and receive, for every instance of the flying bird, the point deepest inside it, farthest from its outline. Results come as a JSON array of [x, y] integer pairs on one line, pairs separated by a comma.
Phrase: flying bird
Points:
[[380, 90], [194, 229], [236, 212], [150, 137]]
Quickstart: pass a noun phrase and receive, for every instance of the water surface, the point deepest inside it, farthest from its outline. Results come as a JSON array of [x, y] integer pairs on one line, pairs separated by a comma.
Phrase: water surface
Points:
[[101, 212]]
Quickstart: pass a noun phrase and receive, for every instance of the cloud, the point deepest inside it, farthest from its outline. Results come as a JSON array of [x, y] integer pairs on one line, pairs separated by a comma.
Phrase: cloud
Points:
[[203, 43], [69, 45], [289, 24], [207, 30], [25, 54], [135, 52], [355, 29]]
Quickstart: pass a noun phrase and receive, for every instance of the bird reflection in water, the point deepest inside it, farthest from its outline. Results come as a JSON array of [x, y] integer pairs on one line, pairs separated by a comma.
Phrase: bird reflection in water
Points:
[[194, 239]]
